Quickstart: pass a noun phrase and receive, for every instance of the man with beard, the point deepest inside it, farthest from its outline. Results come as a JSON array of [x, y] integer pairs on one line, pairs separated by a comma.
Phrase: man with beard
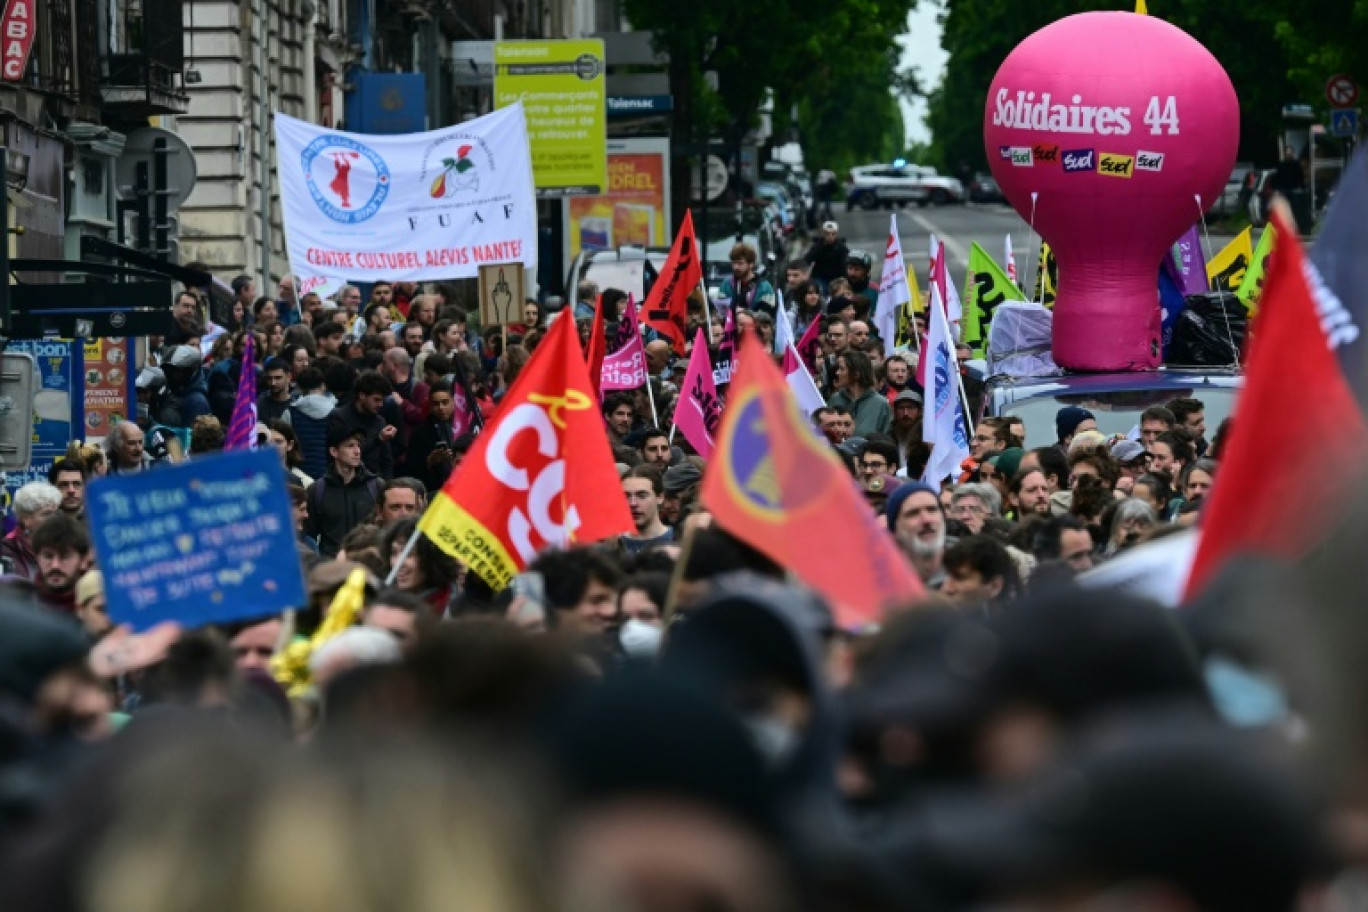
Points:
[[620, 412], [681, 486], [915, 518], [897, 372], [62, 546], [907, 422], [1030, 494]]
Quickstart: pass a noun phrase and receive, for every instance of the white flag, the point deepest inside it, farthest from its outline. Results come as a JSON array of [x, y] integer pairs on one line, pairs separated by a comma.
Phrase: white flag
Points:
[[411, 207], [1010, 258], [800, 382], [943, 425], [893, 290]]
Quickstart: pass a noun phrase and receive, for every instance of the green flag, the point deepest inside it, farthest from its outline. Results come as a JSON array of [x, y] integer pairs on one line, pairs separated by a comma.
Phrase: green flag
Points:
[[1252, 286], [986, 286]]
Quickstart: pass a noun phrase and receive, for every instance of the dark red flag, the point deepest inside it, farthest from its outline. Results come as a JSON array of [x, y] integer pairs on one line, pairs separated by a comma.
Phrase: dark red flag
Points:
[[667, 309], [1297, 434]]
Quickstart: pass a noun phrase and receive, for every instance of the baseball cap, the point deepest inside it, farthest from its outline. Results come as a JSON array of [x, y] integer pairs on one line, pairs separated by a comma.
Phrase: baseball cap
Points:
[[184, 356], [1126, 451], [830, 226], [681, 477], [908, 396], [151, 378]]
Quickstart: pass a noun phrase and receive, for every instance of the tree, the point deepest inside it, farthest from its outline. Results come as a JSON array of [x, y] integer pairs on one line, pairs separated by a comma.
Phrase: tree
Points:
[[834, 62]]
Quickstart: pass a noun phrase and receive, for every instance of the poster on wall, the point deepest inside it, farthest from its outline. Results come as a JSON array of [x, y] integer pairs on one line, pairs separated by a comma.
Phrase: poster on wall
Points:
[[109, 393], [58, 406], [635, 212]]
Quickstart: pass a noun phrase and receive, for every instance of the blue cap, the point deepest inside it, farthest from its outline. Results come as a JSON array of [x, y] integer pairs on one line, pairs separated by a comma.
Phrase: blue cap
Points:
[[896, 498]]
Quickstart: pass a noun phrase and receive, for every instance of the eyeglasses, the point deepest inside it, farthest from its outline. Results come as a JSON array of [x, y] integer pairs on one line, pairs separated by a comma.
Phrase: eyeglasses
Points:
[[984, 438], [874, 466]]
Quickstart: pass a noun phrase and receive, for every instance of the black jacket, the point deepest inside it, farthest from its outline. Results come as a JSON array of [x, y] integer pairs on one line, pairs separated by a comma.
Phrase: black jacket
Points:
[[376, 454], [336, 507], [426, 438], [828, 260]]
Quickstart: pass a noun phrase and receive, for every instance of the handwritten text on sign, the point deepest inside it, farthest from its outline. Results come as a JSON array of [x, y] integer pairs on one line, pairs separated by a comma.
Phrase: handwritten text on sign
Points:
[[210, 540]]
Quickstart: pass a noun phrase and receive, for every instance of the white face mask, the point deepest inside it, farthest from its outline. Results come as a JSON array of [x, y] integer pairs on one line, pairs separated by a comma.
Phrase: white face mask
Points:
[[639, 639]]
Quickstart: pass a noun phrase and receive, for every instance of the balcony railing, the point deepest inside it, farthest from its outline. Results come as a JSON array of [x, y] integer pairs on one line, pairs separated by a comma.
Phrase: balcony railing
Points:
[[143, 72]]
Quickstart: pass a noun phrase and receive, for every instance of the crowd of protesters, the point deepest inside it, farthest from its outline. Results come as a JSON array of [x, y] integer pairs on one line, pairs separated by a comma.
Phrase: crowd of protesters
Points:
[[665, 721]]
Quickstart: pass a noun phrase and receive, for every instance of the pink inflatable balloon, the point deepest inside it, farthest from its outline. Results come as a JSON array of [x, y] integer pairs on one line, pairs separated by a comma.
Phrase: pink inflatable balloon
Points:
[[1110, 124]]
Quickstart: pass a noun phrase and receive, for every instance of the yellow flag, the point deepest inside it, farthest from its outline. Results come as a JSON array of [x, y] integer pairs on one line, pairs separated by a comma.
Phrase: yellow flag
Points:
[[1227, 269], [1047, 277], [907, 325], [1141, 8]]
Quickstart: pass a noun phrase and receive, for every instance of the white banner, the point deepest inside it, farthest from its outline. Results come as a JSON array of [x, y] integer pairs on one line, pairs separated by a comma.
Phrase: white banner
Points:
[[413, 207]]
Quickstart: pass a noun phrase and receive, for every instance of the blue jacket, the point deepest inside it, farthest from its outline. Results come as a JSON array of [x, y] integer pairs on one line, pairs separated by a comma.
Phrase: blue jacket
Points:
[[308, 415]]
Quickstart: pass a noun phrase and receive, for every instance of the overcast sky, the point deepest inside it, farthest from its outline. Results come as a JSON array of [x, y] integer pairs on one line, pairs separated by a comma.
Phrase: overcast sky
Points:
[[922, 50]]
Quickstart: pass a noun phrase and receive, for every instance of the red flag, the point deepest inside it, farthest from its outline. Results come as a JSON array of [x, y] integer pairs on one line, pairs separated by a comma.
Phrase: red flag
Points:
[[667, 308], [773, 484], [598, 348], [810, 346], [1296, 432], [541, 476]]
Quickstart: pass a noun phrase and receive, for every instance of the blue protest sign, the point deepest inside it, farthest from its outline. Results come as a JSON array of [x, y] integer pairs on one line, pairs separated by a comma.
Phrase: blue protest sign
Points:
[[198, 543]]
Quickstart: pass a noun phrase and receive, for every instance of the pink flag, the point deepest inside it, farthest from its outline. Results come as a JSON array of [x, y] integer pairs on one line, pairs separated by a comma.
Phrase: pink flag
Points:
[[699, 410], [242, 426], [625, 368], [810, 345]]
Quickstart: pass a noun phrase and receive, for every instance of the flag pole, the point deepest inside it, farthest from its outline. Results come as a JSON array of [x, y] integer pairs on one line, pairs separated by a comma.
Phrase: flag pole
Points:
[[403, 556]]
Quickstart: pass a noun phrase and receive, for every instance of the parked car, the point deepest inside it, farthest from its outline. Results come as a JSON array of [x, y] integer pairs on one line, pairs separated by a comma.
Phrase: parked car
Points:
[[984, 189], [1260, 191], [940, 189], [1229, 201], [621, 267], [1116, 400], [776, 193], [898, 184], [872, 186]]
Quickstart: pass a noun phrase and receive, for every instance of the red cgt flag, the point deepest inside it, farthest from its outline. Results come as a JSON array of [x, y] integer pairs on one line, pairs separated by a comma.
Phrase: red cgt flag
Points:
[[667, 308], [1296, 432], [774, 485], [541, 476]]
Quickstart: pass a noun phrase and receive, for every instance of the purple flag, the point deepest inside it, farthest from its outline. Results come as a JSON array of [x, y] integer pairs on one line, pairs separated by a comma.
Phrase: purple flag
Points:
[[242, 429], [1189, 263]]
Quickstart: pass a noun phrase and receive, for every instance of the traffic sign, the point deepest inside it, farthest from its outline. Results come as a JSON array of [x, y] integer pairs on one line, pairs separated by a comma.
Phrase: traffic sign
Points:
[[1341, 91], [1344, 123]]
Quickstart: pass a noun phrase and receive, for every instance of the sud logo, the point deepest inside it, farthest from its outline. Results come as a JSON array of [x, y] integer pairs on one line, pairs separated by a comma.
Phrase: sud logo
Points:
[[1114, 165], [1079, 160], [1021, 156], [347, 180]]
